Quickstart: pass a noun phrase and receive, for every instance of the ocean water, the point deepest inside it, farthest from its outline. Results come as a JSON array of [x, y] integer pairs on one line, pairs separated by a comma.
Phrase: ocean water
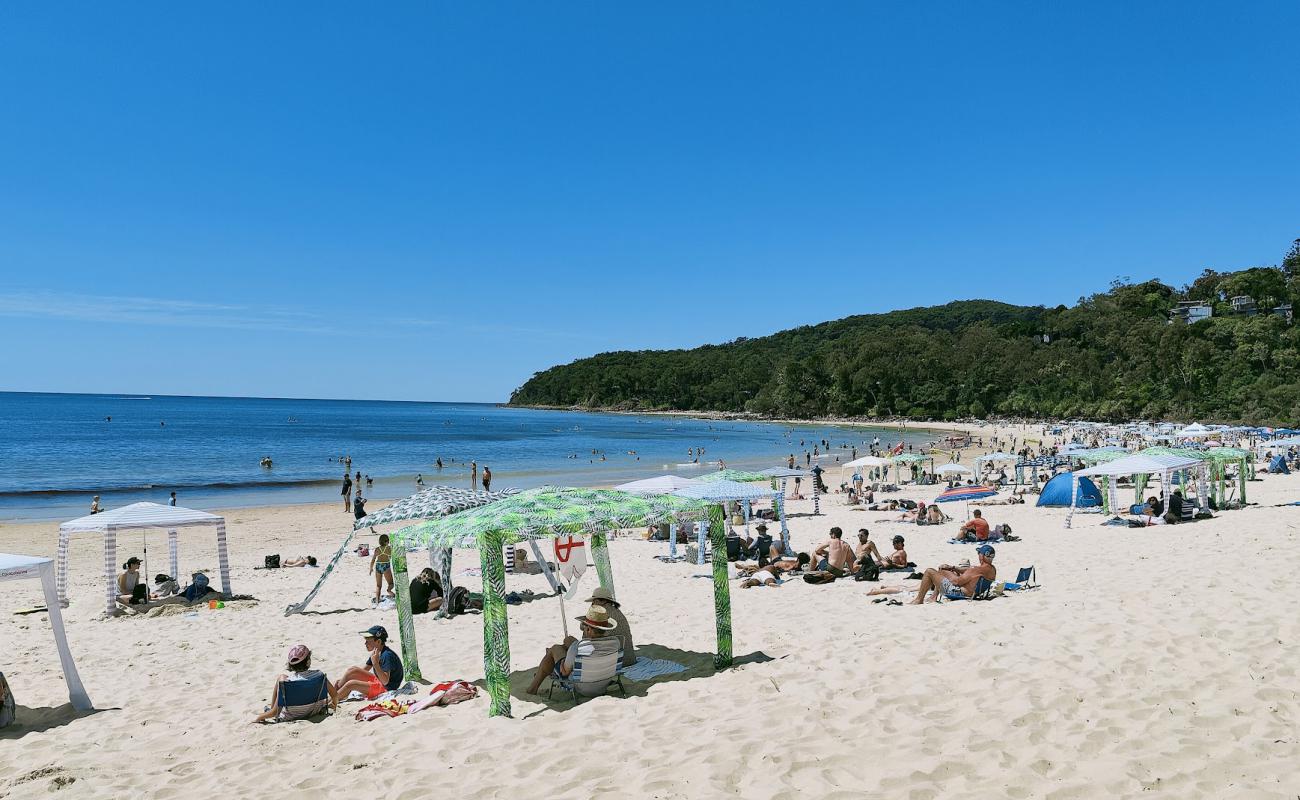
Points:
[[58, 450]]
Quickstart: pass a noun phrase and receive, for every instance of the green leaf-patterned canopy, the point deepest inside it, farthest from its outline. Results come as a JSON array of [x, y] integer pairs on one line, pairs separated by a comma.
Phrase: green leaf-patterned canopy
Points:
[[738, 475], [551, 511], [436, 501]]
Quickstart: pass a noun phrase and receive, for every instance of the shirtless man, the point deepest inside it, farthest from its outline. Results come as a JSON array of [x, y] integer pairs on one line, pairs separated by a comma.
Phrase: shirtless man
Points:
[[898, 558], [865, 549], [834, 553], [770, 574], [947, 578]]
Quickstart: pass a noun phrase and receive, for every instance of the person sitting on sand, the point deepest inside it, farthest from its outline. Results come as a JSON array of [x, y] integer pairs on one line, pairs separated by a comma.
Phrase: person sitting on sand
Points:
[[299, 668], [947, 578], [975, 529], [130, 589], [300, 561], [865, 550], [600, 596], [561, 658], [382, 672], [898, 558], [426, 592], [1153, 507], [835, 553]]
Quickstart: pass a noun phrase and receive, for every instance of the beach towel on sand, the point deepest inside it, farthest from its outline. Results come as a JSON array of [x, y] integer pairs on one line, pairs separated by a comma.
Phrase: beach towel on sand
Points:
[[442, 694], [647, 668]]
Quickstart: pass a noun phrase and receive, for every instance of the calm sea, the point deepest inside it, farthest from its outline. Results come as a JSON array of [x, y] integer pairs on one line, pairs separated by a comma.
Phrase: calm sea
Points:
[[60, 449]]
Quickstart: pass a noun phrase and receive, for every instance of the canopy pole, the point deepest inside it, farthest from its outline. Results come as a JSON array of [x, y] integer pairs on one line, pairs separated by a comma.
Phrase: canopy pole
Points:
[[76, 691], [173, 554], [1074, 497], [405, 623], [110, 567], [778, 501], [1241, 478], [700, 534], [298, 608], [61, 568], [600, 554], [223, 560], [496, 627], [721, 589], [672, 541]]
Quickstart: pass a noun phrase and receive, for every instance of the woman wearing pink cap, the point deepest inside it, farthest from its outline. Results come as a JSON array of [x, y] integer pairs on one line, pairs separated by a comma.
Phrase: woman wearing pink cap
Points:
[[302, 692]]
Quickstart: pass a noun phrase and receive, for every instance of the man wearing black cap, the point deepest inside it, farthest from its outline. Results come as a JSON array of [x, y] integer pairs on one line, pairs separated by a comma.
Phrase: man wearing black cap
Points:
[[605, 599], [382, 672]]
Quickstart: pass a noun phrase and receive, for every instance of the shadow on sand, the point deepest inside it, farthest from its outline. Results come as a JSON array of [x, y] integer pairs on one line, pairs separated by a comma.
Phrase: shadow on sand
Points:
[[35, 720], [698, 665]]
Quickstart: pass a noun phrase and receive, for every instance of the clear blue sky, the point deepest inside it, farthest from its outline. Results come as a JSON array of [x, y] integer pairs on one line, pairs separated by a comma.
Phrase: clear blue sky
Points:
[[434, 201]]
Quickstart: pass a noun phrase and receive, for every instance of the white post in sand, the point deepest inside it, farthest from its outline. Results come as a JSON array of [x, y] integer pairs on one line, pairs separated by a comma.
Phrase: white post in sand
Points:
[[701, 531]]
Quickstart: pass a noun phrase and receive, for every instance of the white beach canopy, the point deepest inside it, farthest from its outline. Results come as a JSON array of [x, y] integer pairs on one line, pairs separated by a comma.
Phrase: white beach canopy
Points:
[[664, 484], [992, 458], [1144, 464], [1195, 431], [952, 469], [138, 516], [16, 567]]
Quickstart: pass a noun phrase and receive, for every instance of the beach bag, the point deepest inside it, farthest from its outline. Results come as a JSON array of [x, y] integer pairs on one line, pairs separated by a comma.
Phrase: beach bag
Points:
[[458, 600], [272, 562], [870, 571]]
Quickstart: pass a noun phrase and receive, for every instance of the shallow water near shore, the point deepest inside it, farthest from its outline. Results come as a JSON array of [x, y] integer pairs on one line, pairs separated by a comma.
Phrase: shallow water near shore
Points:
[[61, 449]]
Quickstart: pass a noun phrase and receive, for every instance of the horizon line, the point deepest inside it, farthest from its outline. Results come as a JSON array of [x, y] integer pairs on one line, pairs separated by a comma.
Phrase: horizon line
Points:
[[254, 397]]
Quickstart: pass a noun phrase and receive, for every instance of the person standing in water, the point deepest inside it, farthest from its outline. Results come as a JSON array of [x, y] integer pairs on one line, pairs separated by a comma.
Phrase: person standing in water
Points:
[[172, 501], [487, 478], [473, 474]]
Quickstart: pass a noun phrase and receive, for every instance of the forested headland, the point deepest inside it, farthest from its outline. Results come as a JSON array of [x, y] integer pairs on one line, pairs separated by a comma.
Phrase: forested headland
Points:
[[1125, 353]]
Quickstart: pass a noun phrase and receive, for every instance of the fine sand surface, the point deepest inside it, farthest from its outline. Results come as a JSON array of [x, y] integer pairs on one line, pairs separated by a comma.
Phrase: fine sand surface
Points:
[[1154, 662]]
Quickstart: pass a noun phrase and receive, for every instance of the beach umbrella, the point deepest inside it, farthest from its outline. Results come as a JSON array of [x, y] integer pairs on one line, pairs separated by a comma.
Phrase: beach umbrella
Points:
[[965, 494], [549, 512], [436, 501]]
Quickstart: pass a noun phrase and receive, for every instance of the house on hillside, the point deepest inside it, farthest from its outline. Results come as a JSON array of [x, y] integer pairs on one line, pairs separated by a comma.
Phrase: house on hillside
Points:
[[1284, 311], [1243, 304], [1190, 311]]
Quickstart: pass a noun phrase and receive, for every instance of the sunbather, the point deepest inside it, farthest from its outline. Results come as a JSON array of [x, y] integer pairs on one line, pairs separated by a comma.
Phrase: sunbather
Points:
[[300, 561], [130, 589], [976, 529], [299, 666], [600, 596], [834, 553], [560, 658], [865, 550], [770, 575], [382, 672], [948, 578]]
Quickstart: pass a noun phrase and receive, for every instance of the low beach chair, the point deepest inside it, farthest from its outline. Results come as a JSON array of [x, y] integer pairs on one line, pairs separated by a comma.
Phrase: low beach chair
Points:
[[602, 670], [982, 587], [1025, 578], [302, 699]]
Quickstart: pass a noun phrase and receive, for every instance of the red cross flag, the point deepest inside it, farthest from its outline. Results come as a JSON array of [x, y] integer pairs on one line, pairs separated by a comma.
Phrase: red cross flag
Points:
[[571, 557]]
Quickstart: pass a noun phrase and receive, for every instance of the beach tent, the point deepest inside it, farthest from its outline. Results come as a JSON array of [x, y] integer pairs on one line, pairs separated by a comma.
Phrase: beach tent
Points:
[[780, 477], [1164, 465], [15, 567], [1278, 465], [1056, 492], [1194, 431], [952, 469], [550, 512], [139, 516], [435, 501], [722, 492], [664, 484]]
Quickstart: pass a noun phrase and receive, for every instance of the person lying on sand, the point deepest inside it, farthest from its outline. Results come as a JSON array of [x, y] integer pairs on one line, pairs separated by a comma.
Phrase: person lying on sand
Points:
[[770, 574], [300, 561], [299, 668], [948, 578], [834, 553], [382, 672], [891, 505]]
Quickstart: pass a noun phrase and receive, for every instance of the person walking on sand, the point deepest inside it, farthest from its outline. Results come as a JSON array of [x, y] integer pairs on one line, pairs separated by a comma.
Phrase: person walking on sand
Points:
[[346, 491], [487, 478]]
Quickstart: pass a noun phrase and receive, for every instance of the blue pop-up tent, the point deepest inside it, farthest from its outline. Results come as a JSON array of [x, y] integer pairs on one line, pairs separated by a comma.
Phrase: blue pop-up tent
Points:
[[1056, 493], [1278, 465]]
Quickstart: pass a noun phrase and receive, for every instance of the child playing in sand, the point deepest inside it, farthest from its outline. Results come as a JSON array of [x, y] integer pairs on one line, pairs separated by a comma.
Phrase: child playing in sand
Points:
[[382, 567]]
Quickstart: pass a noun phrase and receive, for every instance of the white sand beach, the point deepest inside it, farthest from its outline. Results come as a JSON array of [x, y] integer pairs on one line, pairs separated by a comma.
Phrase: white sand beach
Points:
[[1152, 662]]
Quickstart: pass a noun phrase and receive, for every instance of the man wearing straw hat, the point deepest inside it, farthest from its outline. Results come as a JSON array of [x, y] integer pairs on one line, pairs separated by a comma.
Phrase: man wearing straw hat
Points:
[[560, 658], [605, 599]]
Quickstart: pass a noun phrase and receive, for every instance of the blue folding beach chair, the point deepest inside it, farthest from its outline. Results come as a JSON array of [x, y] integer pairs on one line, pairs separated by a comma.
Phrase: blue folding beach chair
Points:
[[303, 699], [982, 587], [603, 670], [1026, 578]]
